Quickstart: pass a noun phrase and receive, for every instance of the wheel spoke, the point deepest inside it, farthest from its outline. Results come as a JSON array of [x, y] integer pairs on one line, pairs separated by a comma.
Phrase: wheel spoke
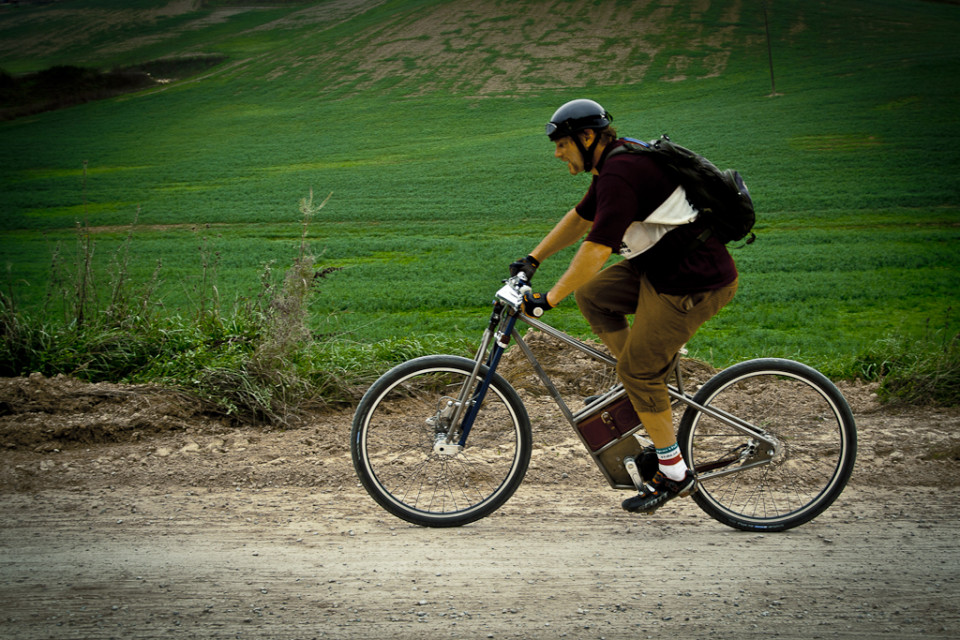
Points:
[[394, 439], [814, 436]]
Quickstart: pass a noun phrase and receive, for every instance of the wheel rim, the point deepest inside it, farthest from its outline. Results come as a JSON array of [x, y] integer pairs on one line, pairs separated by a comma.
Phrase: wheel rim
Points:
[[801, 478], [397, 446]]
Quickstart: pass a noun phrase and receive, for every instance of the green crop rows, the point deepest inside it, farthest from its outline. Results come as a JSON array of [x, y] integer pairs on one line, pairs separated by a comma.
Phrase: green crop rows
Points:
[[854, 167]]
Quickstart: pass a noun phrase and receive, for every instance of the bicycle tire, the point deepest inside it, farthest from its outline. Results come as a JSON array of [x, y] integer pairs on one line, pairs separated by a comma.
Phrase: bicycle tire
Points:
[[792, 484], [392, 445]]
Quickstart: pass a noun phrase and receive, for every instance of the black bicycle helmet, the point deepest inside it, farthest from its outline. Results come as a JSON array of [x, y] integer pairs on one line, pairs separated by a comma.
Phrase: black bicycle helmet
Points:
[[574, 117]]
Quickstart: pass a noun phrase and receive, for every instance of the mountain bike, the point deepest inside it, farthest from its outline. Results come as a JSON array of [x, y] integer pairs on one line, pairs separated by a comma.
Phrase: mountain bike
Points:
[[445, 440]]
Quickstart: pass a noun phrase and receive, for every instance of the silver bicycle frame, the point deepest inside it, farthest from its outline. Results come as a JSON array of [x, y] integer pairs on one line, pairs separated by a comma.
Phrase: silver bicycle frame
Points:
[[675, 392], [512, 295]]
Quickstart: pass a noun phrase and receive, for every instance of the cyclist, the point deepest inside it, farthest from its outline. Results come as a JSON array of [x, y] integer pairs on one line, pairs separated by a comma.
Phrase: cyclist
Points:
[[669, 281]]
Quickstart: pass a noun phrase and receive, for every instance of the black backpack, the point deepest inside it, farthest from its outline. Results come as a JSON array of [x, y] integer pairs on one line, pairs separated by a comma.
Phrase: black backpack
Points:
[[721, 197]]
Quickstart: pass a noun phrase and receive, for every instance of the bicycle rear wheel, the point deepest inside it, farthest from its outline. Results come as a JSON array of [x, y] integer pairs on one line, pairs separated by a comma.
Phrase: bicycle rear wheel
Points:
[[744, 482], [397, 425]]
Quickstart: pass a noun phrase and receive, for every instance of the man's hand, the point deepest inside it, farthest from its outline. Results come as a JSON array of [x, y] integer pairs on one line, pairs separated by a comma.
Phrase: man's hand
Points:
[[526, 266], [535, 304]]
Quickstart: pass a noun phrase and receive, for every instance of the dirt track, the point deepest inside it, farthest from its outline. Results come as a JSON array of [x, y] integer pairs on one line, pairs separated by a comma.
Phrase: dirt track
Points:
[[128, 514]]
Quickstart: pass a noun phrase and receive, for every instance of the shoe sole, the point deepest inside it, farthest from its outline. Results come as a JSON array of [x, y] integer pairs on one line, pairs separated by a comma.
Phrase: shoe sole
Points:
[[694, 486]]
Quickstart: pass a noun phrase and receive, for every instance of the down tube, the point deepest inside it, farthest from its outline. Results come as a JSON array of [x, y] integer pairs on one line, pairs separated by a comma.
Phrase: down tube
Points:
[[499, 344]]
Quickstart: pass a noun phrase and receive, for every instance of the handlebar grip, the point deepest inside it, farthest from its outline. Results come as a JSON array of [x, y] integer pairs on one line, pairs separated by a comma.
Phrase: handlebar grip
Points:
[[523, 283]]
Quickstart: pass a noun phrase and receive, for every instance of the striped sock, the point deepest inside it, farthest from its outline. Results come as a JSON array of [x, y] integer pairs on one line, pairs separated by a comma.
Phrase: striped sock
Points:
[[671, 462]]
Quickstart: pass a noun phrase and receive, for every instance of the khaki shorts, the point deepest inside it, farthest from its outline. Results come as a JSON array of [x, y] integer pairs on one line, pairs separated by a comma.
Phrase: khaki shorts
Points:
[[662, 324]]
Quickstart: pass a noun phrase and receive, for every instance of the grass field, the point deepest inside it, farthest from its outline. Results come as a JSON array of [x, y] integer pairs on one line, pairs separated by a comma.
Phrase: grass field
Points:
[[424, 120]]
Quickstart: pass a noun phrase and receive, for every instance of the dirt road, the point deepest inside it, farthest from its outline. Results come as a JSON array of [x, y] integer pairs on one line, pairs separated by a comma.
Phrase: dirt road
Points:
[[274, 563], [143, 529]]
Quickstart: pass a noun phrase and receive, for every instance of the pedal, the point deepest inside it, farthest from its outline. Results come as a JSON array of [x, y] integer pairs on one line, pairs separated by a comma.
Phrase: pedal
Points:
[[691, 491]]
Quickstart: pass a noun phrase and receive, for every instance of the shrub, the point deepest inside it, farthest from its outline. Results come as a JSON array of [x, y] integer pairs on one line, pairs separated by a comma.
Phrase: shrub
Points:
[[255, 362], [917, 370]]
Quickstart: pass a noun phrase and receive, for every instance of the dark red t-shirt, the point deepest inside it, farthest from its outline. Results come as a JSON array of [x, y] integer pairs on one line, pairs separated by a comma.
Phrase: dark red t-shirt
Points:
[[629, 188]]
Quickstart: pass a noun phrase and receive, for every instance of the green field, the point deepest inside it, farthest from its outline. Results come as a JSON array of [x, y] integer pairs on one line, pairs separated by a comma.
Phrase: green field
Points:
[[424, 120]]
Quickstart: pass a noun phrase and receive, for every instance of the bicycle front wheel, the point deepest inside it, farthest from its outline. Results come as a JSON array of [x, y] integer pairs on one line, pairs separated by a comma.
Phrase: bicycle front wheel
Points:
[[756, 485], [398, 424]]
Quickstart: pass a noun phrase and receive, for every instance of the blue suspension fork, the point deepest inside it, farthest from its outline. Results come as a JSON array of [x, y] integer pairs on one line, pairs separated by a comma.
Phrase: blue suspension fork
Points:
[[500, 342]]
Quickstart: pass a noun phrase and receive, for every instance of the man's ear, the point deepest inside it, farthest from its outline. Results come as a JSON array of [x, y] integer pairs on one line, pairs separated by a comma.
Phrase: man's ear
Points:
[[588, 136]]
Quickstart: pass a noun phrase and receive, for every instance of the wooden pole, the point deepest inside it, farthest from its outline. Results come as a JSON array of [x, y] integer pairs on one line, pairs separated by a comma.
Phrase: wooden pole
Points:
[[766, 25]]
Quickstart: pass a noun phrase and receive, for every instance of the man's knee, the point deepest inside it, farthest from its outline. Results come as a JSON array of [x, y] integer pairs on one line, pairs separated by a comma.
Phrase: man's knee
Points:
[[585, 303], [586, 298], [600, 318]]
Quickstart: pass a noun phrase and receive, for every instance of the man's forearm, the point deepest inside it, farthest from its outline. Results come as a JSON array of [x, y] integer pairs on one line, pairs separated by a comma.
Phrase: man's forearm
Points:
[[589, 259]]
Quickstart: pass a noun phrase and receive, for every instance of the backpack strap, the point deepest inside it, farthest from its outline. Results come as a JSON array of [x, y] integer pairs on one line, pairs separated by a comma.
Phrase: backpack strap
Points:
[[699, 241], [630, 147]]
